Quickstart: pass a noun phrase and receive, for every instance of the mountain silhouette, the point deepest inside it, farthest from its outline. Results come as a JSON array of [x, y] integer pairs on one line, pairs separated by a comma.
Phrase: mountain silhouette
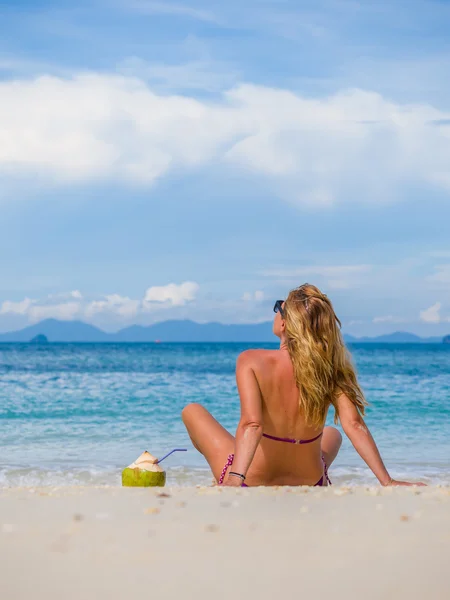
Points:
[[58, 331], [179, 331]]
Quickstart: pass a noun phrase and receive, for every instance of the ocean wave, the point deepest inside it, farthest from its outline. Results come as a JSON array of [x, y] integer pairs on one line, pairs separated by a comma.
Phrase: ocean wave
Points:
[[13, 477]]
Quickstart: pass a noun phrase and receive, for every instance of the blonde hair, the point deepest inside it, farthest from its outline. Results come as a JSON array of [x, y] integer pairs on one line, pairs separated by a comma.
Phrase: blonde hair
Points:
[[322, 365]]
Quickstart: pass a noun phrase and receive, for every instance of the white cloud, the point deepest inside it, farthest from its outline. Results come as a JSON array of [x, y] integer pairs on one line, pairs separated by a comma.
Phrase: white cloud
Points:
[[257, 296], [65, 311], [351, 146], [441, 275], [388, 319], [122, 306], [17, 308], [173, 294], [75, 294], [433, 314], [36, 311], [76, 306], [334, 277]]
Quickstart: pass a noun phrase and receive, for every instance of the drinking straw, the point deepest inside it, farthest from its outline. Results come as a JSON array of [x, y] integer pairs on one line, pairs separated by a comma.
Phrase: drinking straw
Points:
[[171, 452]]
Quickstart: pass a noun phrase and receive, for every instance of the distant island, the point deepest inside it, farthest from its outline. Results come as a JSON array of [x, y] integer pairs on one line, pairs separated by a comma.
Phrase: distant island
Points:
[[52, 330], [39, 339]]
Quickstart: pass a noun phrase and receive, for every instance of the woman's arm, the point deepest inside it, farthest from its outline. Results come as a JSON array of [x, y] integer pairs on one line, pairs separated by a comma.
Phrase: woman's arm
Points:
[[359, 435], [249, 430]]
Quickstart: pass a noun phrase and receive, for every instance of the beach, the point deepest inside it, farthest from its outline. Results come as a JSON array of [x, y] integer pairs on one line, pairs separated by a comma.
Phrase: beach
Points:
[[74, 415], [85, 543]]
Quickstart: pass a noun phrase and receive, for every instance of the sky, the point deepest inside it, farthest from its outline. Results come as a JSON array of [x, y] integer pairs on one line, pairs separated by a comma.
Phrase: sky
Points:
[[167, 160]]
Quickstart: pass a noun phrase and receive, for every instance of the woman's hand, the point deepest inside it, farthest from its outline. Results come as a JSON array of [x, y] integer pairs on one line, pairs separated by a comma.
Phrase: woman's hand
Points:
[[363, 442], [232, 481], [396, 483]]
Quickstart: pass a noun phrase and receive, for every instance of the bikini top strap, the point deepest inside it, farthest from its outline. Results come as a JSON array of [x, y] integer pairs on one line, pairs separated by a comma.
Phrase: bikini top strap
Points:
[[290, 440]]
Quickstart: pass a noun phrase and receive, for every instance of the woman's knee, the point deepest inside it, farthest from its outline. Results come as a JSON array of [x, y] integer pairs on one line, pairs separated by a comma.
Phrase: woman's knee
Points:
[[333, 434], [190, 410], [331, 443]]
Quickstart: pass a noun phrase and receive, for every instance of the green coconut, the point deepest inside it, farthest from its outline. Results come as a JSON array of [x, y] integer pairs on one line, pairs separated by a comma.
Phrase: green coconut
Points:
[[144, 472]]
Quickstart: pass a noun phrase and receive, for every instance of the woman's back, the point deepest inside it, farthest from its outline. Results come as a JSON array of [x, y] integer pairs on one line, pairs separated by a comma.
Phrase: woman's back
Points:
[[277, 462]]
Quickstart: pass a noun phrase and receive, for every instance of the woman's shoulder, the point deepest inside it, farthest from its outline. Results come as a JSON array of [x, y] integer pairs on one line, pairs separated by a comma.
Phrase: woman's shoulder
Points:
[[255, 356]]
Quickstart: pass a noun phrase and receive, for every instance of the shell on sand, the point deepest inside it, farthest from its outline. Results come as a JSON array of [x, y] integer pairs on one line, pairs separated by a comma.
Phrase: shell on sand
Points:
[[144, 472]]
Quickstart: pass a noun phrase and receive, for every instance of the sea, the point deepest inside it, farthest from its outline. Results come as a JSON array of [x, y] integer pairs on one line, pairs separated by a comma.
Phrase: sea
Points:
[[77, 414]]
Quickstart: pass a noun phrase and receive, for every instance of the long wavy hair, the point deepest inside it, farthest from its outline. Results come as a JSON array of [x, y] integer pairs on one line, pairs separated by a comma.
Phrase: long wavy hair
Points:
[[322, 364]]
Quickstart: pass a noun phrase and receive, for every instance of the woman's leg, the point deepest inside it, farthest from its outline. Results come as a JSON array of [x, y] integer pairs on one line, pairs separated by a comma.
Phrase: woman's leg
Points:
[[330, 444], [208, 436]]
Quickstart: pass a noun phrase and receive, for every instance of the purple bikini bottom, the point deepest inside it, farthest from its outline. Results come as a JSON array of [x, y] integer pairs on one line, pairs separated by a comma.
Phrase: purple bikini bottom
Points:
[[230, 462]]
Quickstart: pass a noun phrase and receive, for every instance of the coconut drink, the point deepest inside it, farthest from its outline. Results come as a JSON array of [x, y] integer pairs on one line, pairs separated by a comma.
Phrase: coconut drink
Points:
[[144, 472]]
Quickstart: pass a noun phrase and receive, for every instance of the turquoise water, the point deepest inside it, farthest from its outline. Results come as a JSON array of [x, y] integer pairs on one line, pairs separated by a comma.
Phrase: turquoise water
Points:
[[79, 413]]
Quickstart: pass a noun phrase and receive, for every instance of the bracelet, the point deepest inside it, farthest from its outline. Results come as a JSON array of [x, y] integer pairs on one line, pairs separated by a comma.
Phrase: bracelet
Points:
[[237, 475]]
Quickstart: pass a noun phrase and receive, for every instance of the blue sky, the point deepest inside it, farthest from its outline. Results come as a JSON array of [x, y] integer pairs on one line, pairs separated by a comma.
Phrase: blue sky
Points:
[[197, 160]]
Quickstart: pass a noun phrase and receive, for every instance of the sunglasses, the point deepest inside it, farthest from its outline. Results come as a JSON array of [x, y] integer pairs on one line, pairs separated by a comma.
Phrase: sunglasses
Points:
[[278, 307]]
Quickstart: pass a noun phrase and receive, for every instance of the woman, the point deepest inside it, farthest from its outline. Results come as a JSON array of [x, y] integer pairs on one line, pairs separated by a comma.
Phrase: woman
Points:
[[285, 396]]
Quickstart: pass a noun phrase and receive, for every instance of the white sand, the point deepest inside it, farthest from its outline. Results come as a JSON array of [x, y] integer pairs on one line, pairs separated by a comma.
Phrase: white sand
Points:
[[96, 543]]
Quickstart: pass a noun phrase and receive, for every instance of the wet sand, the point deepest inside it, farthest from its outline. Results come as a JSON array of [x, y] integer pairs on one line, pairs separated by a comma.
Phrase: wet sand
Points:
[[92, 543]]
